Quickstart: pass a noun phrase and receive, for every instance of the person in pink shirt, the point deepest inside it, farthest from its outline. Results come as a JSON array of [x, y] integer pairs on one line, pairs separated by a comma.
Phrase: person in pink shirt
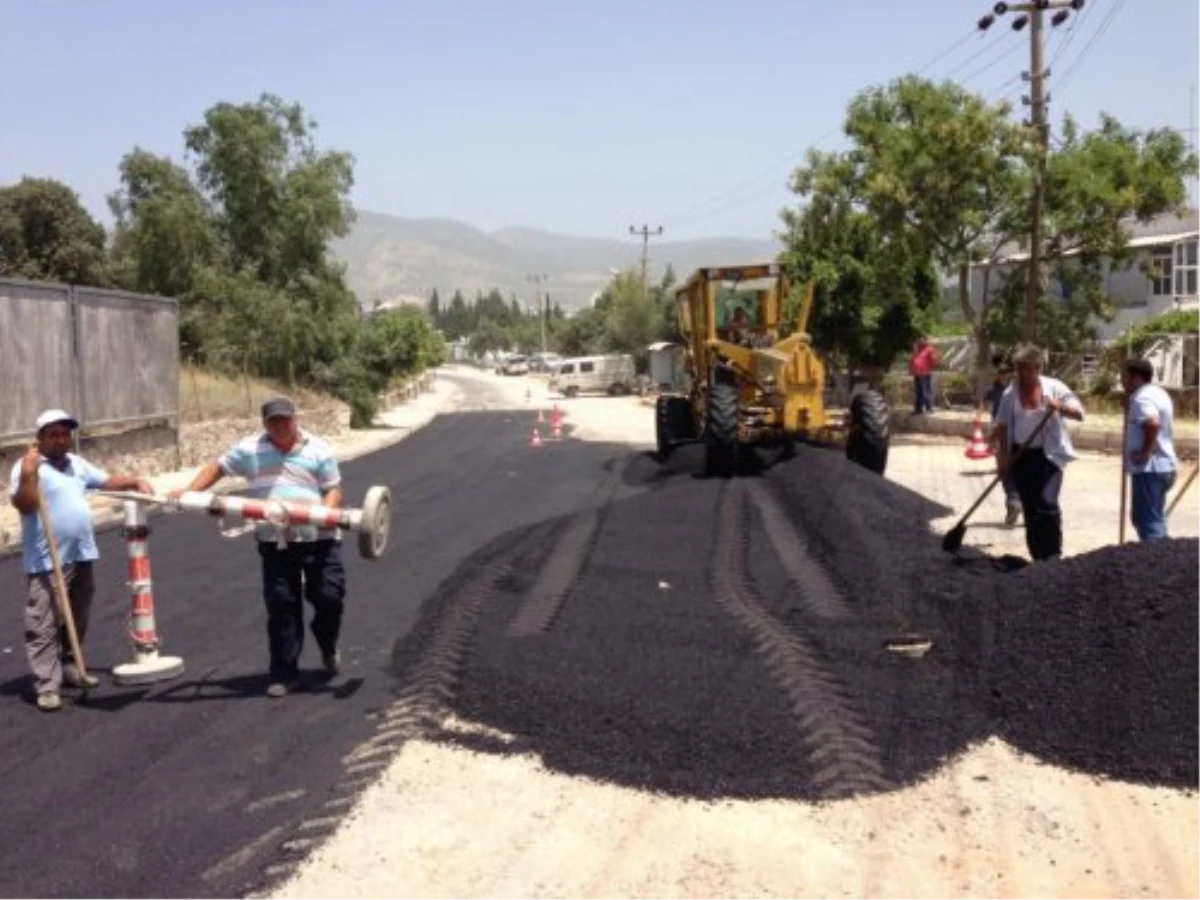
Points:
[[924, 361]]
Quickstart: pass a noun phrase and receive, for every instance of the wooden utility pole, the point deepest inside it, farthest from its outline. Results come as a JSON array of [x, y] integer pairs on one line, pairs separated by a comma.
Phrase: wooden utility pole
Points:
[[645, 233], [1032, 14]]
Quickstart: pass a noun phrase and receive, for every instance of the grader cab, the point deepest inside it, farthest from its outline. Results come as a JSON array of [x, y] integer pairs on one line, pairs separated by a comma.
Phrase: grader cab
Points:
[[750, 386]]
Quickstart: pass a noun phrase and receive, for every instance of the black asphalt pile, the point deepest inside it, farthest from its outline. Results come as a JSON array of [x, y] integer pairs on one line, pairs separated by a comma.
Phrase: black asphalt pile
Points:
[[1094, 664], [677, 666], [731, 639]]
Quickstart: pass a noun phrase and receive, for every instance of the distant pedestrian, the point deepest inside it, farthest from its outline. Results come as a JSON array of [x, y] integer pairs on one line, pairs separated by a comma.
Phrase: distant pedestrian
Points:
[[921, 365], [1149, 449], [1001, 381], [284, 462], [62, 478], [1038, 473]]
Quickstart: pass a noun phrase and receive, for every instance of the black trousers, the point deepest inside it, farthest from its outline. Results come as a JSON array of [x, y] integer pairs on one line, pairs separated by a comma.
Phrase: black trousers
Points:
[[312, 570], [1039, 482]]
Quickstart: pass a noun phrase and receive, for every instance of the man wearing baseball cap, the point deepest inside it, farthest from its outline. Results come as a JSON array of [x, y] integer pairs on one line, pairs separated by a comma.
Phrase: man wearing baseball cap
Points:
[[284, 462], [62, 478]]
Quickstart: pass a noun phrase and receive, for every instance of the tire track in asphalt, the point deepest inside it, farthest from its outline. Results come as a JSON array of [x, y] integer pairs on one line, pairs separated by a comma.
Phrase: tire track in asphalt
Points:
[[566, 559], [841, 749], [807, 579], [423, 701]]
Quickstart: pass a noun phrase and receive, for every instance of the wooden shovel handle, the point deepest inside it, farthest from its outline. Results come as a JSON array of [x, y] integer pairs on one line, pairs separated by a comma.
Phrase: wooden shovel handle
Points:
[[60, 587]]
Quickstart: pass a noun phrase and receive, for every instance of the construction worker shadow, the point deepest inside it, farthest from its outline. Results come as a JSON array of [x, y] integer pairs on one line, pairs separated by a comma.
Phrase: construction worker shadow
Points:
[[241, 687], [103, 698]]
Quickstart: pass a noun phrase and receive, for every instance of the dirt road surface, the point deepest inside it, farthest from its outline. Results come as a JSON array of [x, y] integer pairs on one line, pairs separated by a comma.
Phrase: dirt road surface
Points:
[[682, 687]]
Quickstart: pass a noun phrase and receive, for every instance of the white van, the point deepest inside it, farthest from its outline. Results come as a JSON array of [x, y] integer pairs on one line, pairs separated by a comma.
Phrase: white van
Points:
[[594, 374]]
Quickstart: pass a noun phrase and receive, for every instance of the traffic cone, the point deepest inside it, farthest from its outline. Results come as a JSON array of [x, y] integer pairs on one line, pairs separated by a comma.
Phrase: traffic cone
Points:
[[978, 448], [556, 415], [556, 431], [541, 419], [536, 440]]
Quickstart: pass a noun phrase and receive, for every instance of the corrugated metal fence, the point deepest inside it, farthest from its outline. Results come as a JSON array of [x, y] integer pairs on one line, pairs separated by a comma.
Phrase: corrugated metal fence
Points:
[[111, 358]]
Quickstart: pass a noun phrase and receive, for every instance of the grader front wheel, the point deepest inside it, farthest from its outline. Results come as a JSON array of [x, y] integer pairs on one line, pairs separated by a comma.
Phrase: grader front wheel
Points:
[[720, 431], [868, 433]]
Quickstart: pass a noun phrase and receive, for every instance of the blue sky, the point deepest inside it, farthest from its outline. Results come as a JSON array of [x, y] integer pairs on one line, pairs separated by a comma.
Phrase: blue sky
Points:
[[581, 118]]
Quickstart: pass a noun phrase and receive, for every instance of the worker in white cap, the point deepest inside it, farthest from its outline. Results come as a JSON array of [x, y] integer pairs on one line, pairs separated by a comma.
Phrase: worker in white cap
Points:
[[63, 478]]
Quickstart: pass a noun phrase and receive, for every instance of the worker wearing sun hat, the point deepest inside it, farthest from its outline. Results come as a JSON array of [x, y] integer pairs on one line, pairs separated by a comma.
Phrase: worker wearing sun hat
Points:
[[62, 478]]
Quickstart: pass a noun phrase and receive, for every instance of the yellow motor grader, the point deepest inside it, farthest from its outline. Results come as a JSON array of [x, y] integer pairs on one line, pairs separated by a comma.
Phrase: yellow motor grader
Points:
[[749, 386]]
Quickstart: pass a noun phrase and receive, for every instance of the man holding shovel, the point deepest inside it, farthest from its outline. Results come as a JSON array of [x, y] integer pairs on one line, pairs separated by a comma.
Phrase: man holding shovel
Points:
[[1031, 416], [51, 481]]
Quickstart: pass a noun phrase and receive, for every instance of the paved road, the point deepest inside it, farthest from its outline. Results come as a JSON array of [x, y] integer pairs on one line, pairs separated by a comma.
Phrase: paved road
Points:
[[194, 787]]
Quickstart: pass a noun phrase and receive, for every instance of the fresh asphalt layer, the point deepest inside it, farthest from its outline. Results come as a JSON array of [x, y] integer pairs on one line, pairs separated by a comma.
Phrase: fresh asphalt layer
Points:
[[194, 786]]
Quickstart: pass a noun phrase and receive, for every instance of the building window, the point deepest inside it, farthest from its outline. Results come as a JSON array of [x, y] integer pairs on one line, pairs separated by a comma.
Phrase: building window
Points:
[[1161, 282], [1185, 269]]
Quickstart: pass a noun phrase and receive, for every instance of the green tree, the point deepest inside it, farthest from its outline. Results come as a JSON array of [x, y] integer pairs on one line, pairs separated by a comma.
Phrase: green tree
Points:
[[939, 171], [1097, 183], [47, 235], [872, 288]]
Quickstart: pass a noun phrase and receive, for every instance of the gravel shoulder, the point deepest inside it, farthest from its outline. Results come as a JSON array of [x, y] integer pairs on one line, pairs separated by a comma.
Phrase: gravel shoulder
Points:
[[1038, 809]]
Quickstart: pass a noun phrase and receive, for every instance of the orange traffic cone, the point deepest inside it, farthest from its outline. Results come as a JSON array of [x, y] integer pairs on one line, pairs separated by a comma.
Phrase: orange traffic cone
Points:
[[556, 431], [536, 440], [978, 448], [556, 415], [540, 418]]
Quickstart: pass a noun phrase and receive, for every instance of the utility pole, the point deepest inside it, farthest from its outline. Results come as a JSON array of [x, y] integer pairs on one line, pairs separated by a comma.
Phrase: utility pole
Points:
[[645, 233], [537, 293], [1031, 14]]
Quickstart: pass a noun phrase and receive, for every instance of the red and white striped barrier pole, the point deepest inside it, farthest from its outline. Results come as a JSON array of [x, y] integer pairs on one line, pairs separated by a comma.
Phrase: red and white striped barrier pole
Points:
[[147, 666]]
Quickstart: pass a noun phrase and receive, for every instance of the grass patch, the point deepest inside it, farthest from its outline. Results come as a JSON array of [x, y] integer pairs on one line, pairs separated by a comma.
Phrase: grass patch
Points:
[[205, 395]]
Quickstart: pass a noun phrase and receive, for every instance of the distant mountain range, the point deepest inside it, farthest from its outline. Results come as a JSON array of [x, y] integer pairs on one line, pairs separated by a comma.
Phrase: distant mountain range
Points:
[[394, 260]]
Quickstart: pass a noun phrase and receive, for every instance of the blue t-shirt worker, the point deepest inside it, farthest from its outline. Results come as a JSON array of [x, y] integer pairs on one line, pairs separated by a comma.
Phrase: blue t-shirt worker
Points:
[[1149, 450], [63, 479], [284, 462]]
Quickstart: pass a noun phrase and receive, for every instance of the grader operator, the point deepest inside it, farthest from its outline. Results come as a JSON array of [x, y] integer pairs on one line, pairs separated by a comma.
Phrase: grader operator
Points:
[[749, 384]]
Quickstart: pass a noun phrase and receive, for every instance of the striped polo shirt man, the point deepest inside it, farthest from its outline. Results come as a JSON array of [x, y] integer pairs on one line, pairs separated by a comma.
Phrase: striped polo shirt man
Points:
[[301, 475]]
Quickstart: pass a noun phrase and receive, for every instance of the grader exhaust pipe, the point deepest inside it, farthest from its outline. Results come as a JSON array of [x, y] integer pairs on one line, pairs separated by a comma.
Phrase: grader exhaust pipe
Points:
[[372, 521]]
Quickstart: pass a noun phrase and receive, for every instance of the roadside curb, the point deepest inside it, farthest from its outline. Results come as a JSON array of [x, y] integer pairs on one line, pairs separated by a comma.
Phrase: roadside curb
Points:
[[107, 514], [1084, 436]]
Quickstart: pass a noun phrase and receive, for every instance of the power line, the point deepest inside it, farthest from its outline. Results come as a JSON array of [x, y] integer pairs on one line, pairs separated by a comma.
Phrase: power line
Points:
[[720, 202], [1113, 12]]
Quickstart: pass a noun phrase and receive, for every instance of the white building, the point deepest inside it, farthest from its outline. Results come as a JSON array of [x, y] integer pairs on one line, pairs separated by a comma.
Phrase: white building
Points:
[[1161, 275]]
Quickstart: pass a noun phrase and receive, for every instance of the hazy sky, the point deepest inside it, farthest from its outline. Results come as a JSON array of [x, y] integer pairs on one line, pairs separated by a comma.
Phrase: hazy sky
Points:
[[583, 118]]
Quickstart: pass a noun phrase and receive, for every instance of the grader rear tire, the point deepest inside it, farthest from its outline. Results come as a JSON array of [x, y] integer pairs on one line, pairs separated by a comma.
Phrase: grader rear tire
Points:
[[869, 432], [721, 448]]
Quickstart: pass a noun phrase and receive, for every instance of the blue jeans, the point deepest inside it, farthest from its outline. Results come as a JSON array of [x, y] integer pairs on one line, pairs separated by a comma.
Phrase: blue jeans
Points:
[[1148, 510], [922, 393]]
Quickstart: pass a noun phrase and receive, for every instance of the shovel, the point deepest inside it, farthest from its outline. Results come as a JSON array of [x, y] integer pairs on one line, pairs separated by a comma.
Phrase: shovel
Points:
[[60, 593], [1183, 490], [954, 537]]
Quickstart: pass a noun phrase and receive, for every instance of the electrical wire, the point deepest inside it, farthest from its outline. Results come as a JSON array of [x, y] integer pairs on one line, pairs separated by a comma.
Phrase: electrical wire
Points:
[[724, 200]]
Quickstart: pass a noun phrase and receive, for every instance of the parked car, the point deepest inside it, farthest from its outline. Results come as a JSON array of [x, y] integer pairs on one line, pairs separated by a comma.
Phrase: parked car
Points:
[[516, 365], [594, 374]]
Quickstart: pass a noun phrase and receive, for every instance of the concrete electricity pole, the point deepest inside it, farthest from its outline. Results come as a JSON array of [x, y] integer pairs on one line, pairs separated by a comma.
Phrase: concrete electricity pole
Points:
[[1031, 14], [645, 233], [538, 280]]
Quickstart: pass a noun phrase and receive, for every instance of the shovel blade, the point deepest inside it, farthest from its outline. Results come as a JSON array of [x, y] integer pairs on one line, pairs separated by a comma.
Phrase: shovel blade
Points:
[[954, 538]]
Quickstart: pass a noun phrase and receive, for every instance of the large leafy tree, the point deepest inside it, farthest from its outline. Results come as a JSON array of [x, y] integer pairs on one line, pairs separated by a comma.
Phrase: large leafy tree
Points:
[[1096, 184], [241, 237], [937, 172], [874, 290], [47, 235]]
